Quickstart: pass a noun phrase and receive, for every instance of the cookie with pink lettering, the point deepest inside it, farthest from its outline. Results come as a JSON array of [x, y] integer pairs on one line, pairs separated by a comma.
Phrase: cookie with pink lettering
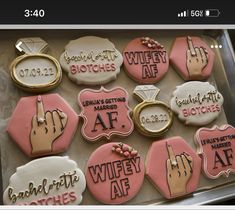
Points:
[[216, 146], [42, 125], [146, 60], [105, 113], [46, 181], [197, 103], [173, 167], [114, 173], [91, 60], [192, 58]]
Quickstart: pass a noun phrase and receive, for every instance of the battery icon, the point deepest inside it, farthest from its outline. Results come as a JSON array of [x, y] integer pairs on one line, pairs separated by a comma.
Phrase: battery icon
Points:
[[212, 13]]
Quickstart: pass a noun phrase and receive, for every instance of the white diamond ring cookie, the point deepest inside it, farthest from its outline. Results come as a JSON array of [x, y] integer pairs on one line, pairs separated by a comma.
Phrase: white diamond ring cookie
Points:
[[35, 71], [46, 181], [197, 103], [151, 117], [91, 60]]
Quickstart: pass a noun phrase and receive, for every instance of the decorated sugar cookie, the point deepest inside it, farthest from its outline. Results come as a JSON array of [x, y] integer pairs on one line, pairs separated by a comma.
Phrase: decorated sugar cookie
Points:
[[35, 71], [192, 58], [152, 118], [105, 113], [46, 181], [197, 103], [146, 61], [114, 173], [91, 60], [42, 125], [173, 167], [216, 145]]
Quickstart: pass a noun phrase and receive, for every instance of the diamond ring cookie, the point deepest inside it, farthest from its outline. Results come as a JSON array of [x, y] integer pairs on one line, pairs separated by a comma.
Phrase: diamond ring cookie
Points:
[[114, 173], [173, 167], [216, 146], [197, 103], [35, 71], [151, 117], [105, 113], [42, 125], [91, 60], [46, 181], [145, 60], [192, 58]]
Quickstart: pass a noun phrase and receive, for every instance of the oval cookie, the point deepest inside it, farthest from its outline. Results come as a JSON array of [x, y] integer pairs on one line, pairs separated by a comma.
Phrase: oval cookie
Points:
[[197, 103], [91, 60], [46, 181], [114, 173], [216, 145], [146, 61]]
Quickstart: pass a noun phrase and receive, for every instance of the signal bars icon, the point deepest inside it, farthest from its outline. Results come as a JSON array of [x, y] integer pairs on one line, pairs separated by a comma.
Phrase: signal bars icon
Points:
[[183, 14]]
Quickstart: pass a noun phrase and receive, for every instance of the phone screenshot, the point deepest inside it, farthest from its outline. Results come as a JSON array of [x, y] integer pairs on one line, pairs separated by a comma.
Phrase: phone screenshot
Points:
[[117, 105]]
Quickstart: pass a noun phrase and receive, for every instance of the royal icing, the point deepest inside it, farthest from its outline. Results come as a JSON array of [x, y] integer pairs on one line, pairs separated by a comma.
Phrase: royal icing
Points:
[[35, 71], [152, 118], [114, 173], [216, 145], [197, 103], [146, 60], [46, 181], [192, 58], [173, 167], [105, 113], [42, 125], [91, 60]]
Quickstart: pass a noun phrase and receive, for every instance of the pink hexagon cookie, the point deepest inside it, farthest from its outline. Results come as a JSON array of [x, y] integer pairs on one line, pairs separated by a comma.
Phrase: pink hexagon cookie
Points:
[[146, 61], [105, 113], [216, 145], [114, 173], [42, 125], [192, 58], [173, 167]]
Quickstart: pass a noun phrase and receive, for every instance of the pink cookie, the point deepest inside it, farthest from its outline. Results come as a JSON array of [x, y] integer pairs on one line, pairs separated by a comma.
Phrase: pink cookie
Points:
[[42, 125], [114, 173], [146, 61], [216, 145], [192, 58], [105, 113], [173, 167]]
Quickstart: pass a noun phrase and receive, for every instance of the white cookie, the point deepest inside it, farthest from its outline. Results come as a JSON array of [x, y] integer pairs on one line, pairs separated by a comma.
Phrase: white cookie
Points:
[[197, 103], [91, 60], [46, 181]]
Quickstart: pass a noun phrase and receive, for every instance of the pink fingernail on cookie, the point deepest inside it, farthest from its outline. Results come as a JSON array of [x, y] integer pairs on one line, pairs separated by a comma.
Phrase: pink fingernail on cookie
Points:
[[46, 181], [91, 60], [114, 173], [197, 103], [105, 113], [192, 58], [146, 60], [216, 145], [173, 167], [42, 125]]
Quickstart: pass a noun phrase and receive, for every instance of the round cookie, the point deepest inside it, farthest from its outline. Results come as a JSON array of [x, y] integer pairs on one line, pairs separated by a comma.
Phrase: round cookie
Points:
[[173, 167], [216, 146], [197, 103], [35, 71], [114, 173], [105, 113], [145, 60], [42, 125], [192, 58], [46, 181], [91, 60]]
